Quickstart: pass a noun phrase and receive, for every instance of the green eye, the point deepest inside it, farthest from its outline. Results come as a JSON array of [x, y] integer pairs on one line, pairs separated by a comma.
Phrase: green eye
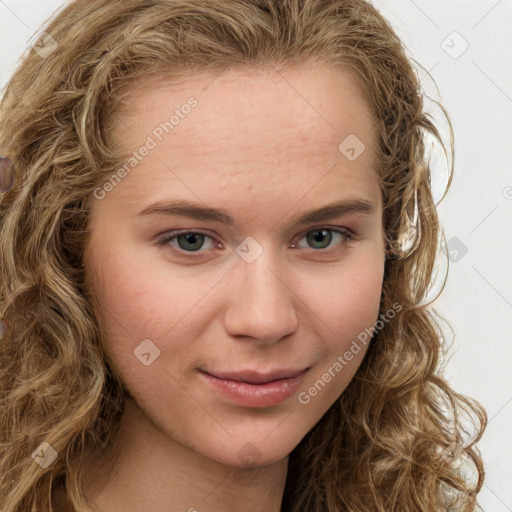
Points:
[[194, 241], [190, 241], [187, 241], [319, 239], [324, 239]]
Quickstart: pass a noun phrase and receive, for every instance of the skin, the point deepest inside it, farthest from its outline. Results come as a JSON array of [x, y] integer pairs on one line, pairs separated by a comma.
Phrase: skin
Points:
[[263, 145]]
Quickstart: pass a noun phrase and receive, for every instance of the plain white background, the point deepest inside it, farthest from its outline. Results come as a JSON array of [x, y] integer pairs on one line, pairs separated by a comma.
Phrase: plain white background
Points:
[[464, 46]]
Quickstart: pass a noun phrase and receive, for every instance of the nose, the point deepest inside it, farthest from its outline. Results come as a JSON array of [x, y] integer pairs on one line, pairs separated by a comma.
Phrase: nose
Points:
[[261, 302]]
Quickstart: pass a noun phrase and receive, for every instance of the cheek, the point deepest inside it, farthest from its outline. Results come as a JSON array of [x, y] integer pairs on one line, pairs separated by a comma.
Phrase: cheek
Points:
[[347, 299], [360, 296], [138, 300], [346, 305]]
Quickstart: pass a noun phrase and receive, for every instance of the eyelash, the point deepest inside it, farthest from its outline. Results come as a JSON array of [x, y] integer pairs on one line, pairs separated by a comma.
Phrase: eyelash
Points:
[[173, 235]]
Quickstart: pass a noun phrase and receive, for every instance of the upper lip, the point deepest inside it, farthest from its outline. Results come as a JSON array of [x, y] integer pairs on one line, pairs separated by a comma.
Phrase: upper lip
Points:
[[255, 376]]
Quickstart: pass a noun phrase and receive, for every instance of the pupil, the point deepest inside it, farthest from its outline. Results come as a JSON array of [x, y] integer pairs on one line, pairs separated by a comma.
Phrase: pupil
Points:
[[190, 238], [320, 237]]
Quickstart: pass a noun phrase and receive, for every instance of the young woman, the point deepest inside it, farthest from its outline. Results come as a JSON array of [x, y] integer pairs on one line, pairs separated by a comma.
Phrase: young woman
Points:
[[217, 237]]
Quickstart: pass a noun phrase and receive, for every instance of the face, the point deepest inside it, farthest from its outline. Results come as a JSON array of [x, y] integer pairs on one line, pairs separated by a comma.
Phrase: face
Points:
[[238, 260]]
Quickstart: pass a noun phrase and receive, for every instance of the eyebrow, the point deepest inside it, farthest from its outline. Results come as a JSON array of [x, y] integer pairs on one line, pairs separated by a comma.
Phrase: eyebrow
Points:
[[206, 213]]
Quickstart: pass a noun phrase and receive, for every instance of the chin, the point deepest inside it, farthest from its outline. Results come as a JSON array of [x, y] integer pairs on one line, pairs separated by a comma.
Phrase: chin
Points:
[[247, 454]]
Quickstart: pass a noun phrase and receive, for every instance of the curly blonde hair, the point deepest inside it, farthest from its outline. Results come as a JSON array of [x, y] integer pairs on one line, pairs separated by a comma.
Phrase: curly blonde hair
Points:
[[387, 443]]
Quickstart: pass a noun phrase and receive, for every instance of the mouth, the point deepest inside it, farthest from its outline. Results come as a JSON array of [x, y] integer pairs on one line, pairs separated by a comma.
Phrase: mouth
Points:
[[253, 388], [257, 377]]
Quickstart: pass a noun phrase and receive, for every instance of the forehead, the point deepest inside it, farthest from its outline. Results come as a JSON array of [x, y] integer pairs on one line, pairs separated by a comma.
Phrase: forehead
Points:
[[260, 124]]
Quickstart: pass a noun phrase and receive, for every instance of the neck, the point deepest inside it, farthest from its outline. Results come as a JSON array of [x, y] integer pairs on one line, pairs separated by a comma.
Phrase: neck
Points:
[[143, 469]]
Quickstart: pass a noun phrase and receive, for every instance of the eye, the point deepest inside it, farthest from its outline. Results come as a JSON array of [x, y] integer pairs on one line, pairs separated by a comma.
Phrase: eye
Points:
[[322, 238], [194, 241], [188, 241]]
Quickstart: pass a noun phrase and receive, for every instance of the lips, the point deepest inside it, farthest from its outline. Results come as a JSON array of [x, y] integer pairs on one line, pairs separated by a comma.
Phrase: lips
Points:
[[253, 388], [257, 377]]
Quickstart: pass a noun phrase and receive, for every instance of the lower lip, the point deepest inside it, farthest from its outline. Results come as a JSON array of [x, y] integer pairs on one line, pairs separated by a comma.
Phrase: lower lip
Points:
[[257, 395]]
